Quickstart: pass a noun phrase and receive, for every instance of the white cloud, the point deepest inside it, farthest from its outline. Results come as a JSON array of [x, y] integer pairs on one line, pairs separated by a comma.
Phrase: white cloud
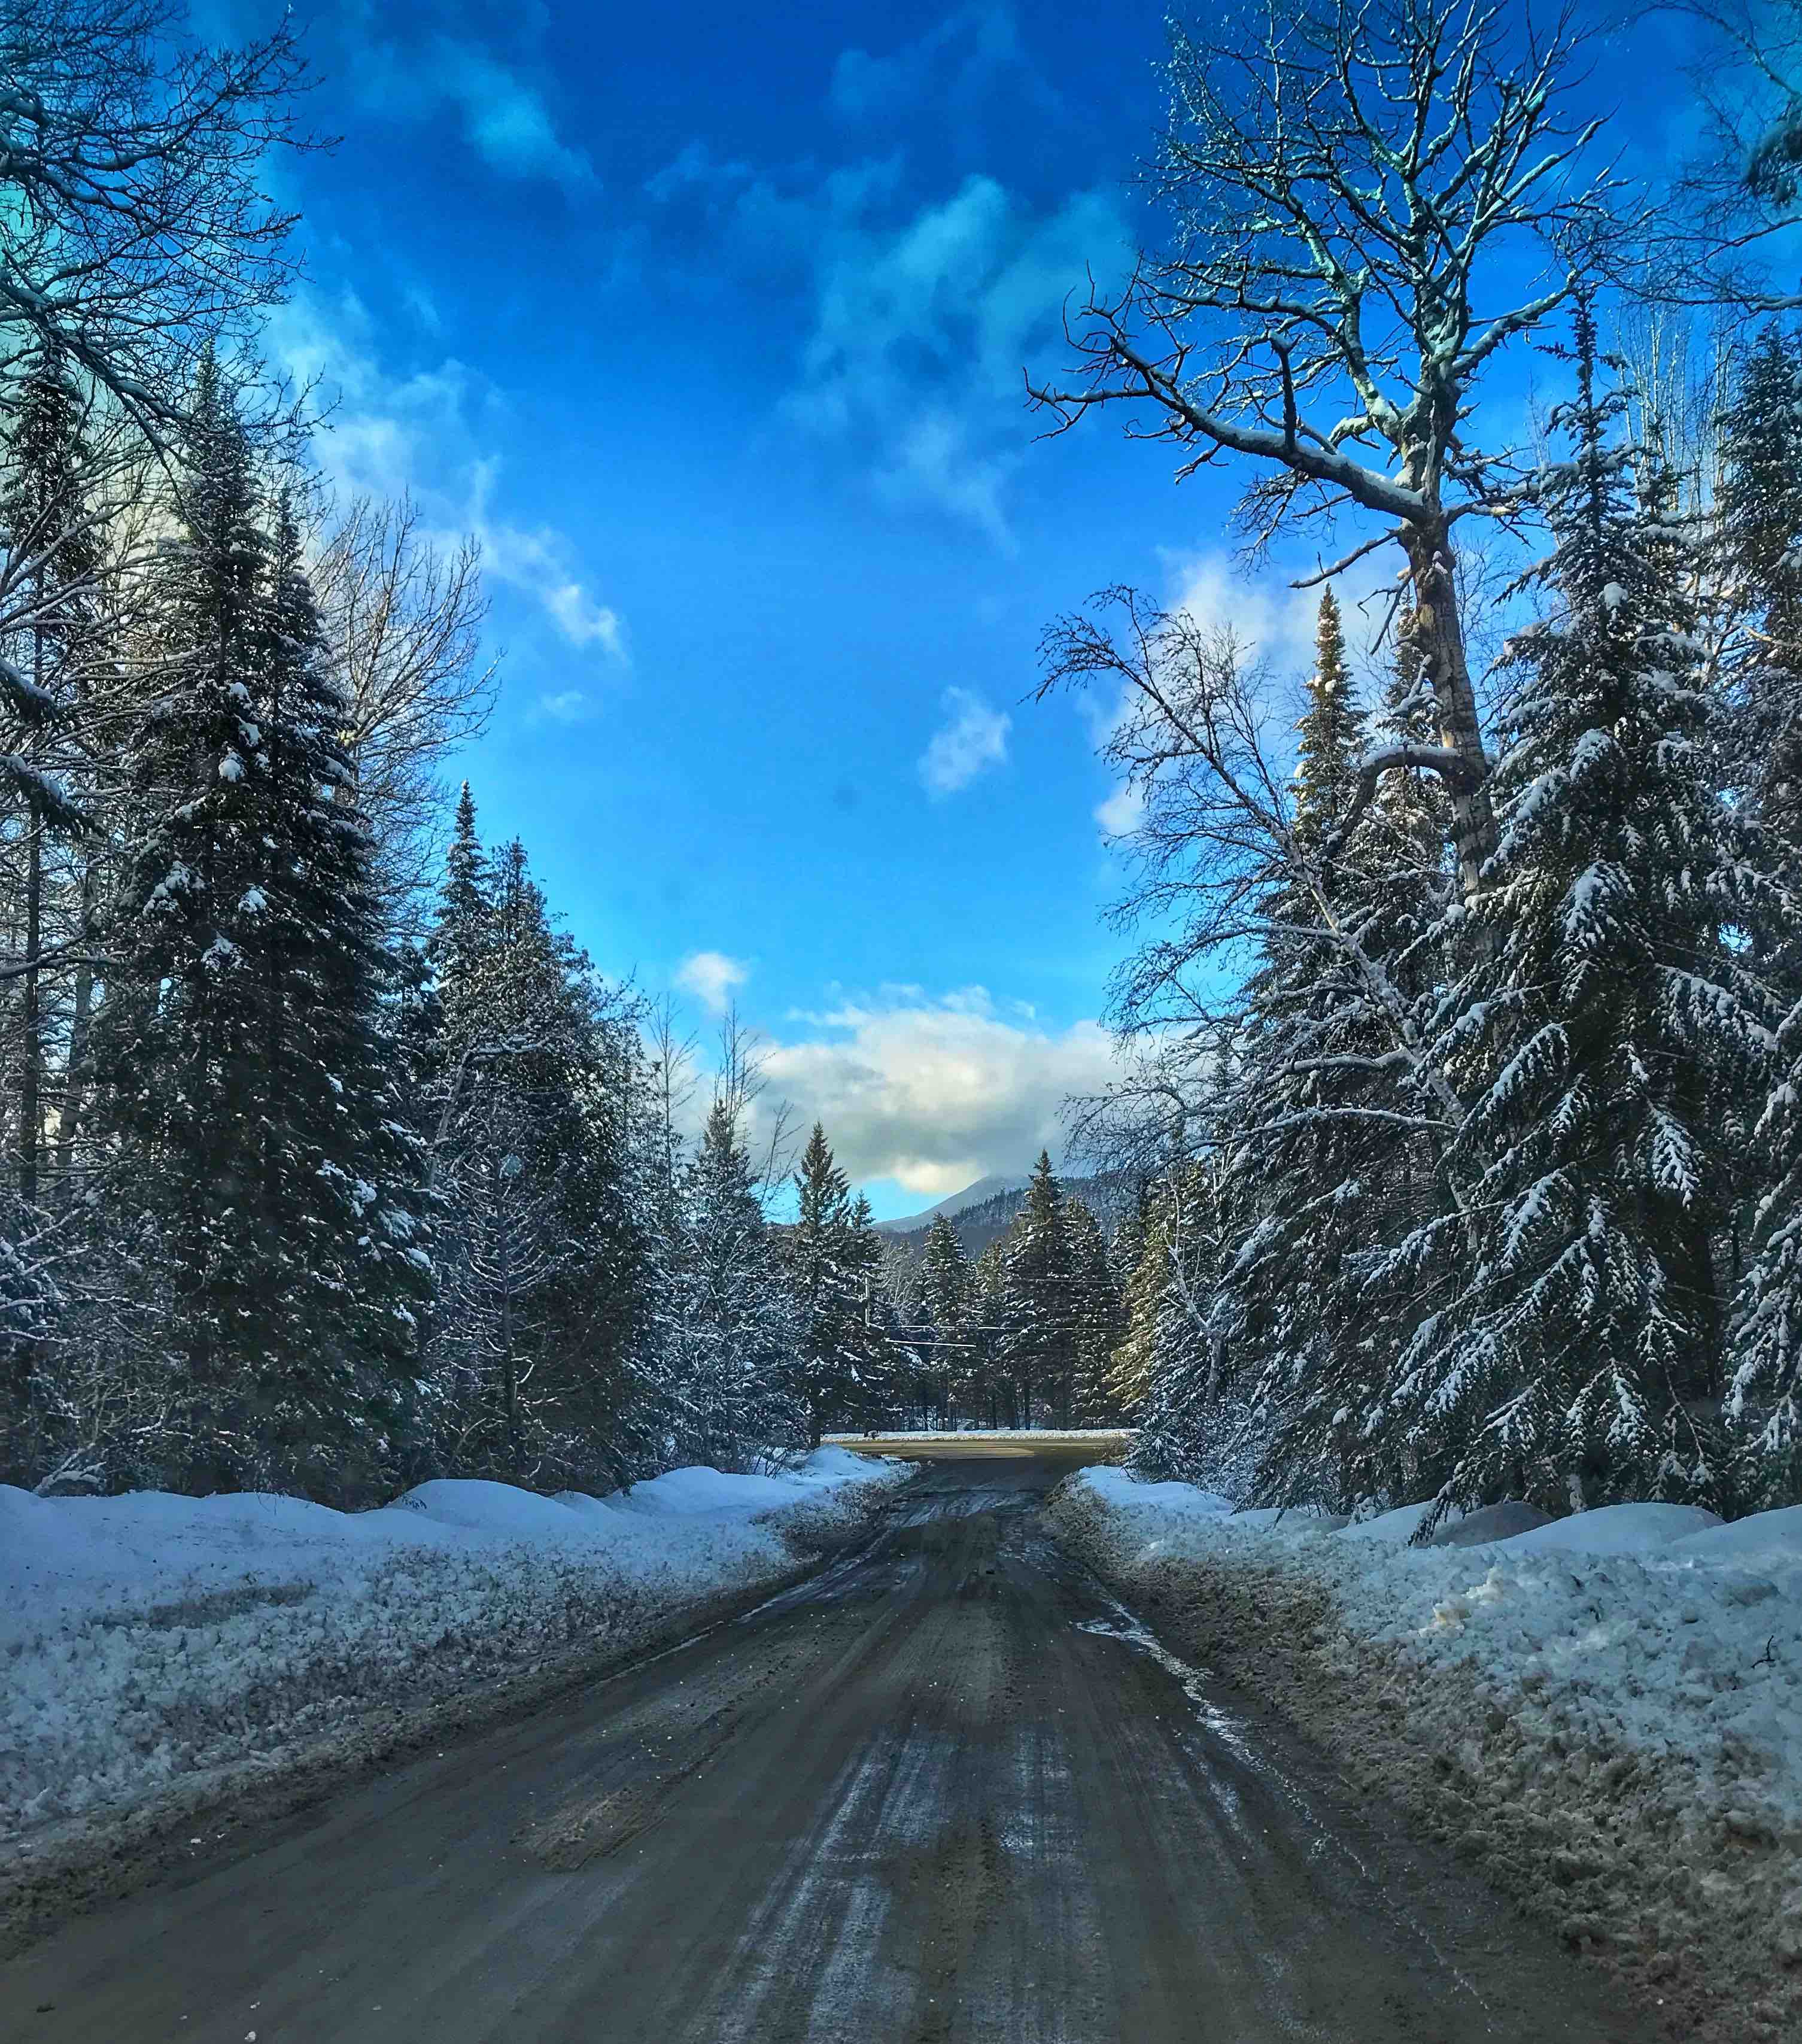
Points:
[[936, 1093], [1268, 618], [953, 67], [973, 737], [423, 434], [920, 312], [567, 706], [711, 977], [1121, 812]]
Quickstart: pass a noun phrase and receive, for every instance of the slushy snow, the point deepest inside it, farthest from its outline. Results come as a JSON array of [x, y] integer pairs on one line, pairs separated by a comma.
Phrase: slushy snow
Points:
[[144, 1637]]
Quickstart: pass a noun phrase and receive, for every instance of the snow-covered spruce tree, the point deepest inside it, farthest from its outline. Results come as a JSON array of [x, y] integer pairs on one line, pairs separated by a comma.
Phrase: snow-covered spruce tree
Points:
[[1573, 1352], [1141, 1286], [1183, 1315], [1289, 1188], [727, 1324], [1319, 1131], [1758, 505], [1764, 1402], [1039, 1300], [828, 1294], [239, 1054], [340, 1208], [875, 1389], [182, 1030], [459, 934], [1097, 1320], [959, 1357], [539, 1230]]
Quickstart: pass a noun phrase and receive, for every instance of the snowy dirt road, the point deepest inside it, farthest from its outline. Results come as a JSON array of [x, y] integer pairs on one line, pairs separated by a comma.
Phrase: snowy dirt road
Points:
[[946, 1789]]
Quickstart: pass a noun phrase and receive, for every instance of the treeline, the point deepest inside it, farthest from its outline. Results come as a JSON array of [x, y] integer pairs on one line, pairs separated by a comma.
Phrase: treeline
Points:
[[1468, 1018], [1022, 1335], [329, 1162], [1502, 1196]]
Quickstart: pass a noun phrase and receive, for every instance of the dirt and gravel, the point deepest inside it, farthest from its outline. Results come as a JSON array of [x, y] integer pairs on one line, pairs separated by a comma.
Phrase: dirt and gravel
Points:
[[1694, 1917], [945, 1789]]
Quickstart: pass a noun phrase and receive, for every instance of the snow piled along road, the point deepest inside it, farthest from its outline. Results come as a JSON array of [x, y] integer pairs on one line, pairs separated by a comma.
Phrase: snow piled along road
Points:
[[146, 1637], [1608, 1707]]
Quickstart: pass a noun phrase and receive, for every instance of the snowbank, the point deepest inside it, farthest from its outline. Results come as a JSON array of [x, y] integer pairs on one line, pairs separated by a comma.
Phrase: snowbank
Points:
[[146, 1637], [1608, 1706]]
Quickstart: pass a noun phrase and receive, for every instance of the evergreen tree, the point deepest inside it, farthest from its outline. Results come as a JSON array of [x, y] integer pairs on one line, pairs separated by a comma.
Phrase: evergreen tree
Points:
[[827, 1290], [1039, 1300], [182, 1027], [1575, 1356], [241, 1047], [947, 1279], [460, 933], [1314, 1074], [873, 1388], [1097, 1320], [1764, 1402], [1142, 1288], [1759, 512], [540, 1231], [728, 1321], [1183, 1315]]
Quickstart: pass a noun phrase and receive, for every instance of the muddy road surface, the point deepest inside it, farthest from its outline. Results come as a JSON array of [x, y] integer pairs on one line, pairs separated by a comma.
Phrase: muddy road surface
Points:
[[945, 1790]]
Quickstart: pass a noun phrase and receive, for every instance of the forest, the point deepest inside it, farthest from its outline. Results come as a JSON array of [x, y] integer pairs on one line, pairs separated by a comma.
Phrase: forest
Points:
[[1462, 996], [1462, 1012]]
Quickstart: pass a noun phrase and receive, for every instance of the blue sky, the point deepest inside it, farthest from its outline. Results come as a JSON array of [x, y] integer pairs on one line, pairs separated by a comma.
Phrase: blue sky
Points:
[[709, 322]]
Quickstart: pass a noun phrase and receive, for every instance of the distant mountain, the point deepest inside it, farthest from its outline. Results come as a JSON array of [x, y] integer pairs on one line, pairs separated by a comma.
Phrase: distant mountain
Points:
[[983, 1212], [971, 1196]]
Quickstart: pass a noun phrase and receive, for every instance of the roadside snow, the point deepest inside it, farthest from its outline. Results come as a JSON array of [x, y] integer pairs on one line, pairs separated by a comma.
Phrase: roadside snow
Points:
[[1651, 1626], [144, 1637], [1606, 1710]]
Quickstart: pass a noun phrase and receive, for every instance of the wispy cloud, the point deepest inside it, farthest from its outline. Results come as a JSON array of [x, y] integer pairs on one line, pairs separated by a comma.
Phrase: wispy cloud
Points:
[[426, 433], [568, 706], [973, 738], [919, 309], [955, 65], [921, 328], [712, 977], [507, 119], [1269, 620]]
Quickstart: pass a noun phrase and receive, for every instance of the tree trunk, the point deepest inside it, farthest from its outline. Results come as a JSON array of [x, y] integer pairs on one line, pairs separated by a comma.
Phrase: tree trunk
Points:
[[31, 1107], [1439, 634], [68, 1122]]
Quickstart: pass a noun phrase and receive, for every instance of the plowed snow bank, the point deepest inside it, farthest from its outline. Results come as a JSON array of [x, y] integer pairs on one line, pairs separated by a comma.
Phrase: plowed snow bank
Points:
[[1611, 1719], [145, 1638]]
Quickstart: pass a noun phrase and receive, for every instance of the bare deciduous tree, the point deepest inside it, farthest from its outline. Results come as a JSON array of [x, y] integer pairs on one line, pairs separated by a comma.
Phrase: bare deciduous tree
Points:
[[404, 621], [137, 228], [1358, 191]]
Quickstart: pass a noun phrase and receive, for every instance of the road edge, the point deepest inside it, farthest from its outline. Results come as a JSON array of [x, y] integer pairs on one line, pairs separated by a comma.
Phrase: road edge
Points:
[[1603, 1859]]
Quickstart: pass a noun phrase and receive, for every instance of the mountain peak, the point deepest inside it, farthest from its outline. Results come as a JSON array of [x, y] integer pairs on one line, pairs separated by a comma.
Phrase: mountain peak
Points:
[[971, 1196]]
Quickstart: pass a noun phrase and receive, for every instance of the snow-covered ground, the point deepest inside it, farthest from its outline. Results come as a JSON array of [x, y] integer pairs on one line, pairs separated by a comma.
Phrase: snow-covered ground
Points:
[[1621, 1690], [146, 1637]]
